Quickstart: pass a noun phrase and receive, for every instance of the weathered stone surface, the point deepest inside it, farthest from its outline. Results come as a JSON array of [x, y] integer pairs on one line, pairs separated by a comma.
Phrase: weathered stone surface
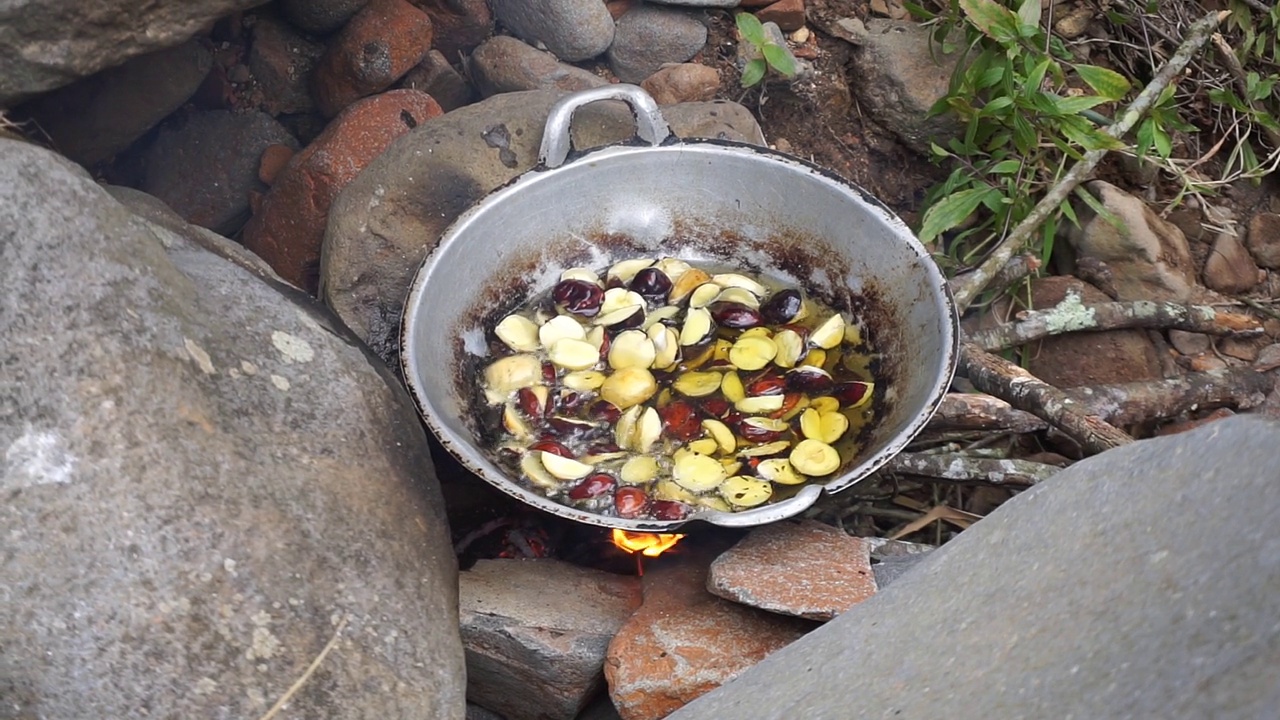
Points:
[[273, 160], [380, 44], [650, 36], [99, 116], [205, 168], [289, 229], [460, 25], [1189, 343], [281, 61], [320, 16], [806, 569], [1147, 256], [1264, 239], [684, 641], [698, 3], [683, 82], [1092, 358], [897, 78], [1070, 602], [386, 220], [45, 44], [572, 29], [202, 479], [505, 64], [1229, 268], [787, 14], [437, 78], [535, 634]]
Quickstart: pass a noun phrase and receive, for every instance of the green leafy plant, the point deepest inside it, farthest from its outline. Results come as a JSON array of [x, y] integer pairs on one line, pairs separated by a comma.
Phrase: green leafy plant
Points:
[[772, 55]]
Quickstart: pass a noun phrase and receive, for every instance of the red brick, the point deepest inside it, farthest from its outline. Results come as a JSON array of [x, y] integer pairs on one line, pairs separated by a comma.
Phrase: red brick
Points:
[[806, 569], [289, 230], [378, 46], [789, 14]]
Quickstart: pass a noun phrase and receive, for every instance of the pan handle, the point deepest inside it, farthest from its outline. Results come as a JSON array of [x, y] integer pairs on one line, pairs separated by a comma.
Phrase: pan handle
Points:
[[650, 125]]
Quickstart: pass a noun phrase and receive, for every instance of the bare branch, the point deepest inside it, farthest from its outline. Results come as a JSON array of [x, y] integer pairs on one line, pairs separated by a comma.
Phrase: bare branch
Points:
[[973, 412], [954, 467], [1131, 403]]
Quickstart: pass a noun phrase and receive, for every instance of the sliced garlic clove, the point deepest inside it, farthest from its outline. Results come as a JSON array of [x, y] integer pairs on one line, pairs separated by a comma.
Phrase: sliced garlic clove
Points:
[[728, 280], [721, 434], [563, 467], [830, 333], [779, 470], [639, 470], [595, 336], [513, 423], [583, 380], [811, 424], [624, 431], [685, 284], [573, 354], [760, 404], [618, 298], [824, 404], [704, 295], [740, 296], [628, 387], [790, 348], [531, 466], [673, 267], [666, 344], [509, 374], [752, 353], [713, 502], [704, 446], [581, 273], [732, 387], [624, 271], [745, 492], [648, 430], [518, 333], [666, 312], [814, 457], [697, 384], [631, 349], [697, 473], [559, 328], [667, 489], [772, 448], [833, 427], [697, 326]]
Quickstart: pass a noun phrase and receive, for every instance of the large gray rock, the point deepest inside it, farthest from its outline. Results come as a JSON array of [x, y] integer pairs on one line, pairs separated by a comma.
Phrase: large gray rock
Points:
[[1142, 583], [385, 221], [898, 78], [97, 117], [204, 482], [572, 29], [504, 64], [46, 44], [650, 36], [320, 16]]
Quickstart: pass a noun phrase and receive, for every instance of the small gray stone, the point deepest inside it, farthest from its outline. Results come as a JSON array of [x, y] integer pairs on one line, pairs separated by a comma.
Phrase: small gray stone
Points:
[[536, 632], [437, 78], [699, 3], [97, 117], [383, 223], [898, 77], [650, 36], [1264, 239], [1069, 601], [281, 61], [1147, 256], [320, 16], [205, 167], [1229, 268], [204, 476], [504, 64], [572, 29], [1190, 343]]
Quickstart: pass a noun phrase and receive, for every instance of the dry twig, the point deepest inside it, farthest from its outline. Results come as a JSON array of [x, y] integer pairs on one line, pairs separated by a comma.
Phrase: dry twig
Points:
[[972, 412], [311, 669], [967, 287], [1072, 315], [1132, 403], [1007, 381], [954, 467]]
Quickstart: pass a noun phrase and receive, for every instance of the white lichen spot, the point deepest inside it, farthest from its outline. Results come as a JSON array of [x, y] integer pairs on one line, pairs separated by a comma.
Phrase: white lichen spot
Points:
[[281, 383], [264, 645], [205, 686], [198, 354], [257, 698], [233, 373], [1068, 315], [292, 347], [37, 458], [230, 566], [262, 618], [248, 367]]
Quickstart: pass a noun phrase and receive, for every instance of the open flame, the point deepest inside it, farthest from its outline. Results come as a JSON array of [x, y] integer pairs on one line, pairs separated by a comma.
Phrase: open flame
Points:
[[647, 544]]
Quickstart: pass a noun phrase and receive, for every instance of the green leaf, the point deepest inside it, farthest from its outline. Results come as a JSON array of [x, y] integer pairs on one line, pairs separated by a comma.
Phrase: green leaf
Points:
[[780, 59], [1006, 167], [751, 28], [993, 19], [1024, 136], [1035, 78], [1164, 145], [753, 72], [1029, 15], [1099, 209], [1107, 83], [938, 150], [1073, 105], [996, 105], [1146, 137], [951, 211], [1079, 131]]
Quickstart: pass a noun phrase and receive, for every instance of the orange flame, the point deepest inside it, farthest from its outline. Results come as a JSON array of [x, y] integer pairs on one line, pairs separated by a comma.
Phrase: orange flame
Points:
[[647, 544]]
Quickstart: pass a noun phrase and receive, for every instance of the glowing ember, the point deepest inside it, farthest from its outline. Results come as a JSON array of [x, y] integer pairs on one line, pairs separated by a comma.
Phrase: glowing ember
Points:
[[647, 544]]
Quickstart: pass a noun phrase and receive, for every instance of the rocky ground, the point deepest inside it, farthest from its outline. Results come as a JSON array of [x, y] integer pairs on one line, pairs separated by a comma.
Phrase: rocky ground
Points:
[[217, 489]]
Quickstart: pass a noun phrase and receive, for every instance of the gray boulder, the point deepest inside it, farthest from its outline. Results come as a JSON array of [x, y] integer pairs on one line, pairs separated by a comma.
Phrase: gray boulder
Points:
[[385, 221], [205, 481], [46, 44], [1141, 583], [572, 29], [504, 64], [650, 36]]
